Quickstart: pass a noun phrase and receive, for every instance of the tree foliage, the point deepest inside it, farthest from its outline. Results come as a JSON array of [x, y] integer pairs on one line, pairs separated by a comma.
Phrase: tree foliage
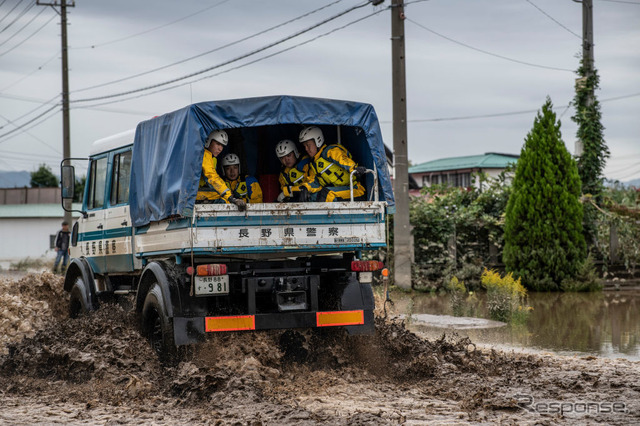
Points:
[[592, 161], [543, 236], [43, 178]]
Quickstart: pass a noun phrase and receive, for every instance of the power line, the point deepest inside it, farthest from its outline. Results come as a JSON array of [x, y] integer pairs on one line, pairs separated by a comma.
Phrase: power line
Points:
[[31, 73], [246, 55], [32, 111], [209, 51], [552, 18], [504, 114], [242, 65], [32, 34], [93, 46], [20, 15], [29, 122], [34, 136], [622, 1], [9, 12], [484, 51], [23, 27]]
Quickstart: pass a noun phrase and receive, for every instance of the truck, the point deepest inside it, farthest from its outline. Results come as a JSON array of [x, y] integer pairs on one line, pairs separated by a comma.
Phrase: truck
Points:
[[192, 269]]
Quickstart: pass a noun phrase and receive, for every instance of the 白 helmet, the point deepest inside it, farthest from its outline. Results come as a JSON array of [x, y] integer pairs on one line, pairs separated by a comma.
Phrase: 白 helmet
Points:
[[285, 147], [219, 136], [231, 160], [312, 132]]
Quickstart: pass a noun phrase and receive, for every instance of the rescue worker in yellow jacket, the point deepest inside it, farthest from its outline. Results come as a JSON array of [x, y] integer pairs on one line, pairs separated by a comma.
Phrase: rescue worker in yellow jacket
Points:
[[244, 187], [212, 188], [295, 170], [331, 166]]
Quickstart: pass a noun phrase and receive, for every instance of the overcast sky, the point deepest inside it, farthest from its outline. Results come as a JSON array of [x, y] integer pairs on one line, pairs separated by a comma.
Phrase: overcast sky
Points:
[[477, 70]]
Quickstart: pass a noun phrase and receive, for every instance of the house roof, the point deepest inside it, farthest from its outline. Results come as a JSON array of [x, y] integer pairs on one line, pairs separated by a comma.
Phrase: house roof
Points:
[[35, 210], [489, 160]]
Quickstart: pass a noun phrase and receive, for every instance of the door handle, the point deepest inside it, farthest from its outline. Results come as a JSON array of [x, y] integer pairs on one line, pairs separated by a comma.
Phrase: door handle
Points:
[[124, 223], [99, 226]]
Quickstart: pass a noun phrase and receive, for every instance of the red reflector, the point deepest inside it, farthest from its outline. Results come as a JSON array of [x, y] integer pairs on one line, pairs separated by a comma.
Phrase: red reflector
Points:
[[212, 269], [327, 319], [366, 265], [189, 270]]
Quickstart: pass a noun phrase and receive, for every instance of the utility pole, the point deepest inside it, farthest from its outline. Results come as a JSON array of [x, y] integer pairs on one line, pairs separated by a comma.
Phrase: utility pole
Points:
[[401, 227], [66, 138], [587, 55]]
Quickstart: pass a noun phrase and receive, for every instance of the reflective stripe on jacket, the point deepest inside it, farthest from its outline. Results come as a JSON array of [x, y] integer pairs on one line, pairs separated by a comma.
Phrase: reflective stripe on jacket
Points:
[[292, 177]]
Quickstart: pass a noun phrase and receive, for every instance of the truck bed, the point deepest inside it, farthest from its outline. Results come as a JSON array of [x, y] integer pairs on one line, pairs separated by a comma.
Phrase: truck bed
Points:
[[271, 230]]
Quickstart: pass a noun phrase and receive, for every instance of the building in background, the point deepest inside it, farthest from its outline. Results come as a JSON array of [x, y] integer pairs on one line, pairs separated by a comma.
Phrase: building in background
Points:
[[458, 171], [29, 217]]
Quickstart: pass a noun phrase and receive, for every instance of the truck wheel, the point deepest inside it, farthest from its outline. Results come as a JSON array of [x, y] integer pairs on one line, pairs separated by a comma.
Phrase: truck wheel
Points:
[[157, 325], [79, 303]]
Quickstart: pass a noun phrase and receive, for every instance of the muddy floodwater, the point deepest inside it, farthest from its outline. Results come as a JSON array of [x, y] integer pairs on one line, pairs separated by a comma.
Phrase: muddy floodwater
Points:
[[98, 369], [603, 324]]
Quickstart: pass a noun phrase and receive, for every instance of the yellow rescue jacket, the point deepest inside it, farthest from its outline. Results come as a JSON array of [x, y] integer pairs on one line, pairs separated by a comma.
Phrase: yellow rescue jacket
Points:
[[210, 180], [247, 188], [330, 166], [291, 178]]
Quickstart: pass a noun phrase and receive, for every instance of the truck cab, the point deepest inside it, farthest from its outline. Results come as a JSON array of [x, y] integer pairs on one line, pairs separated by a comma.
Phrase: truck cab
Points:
[[193, 268]]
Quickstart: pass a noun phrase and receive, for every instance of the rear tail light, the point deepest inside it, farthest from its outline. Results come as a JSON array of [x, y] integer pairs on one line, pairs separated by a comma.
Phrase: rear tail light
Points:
[[366, 265], [207, 270]]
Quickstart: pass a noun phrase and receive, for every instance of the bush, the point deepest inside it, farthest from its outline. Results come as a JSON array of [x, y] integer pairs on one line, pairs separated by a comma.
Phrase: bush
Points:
[[506, 297], [586, 278]]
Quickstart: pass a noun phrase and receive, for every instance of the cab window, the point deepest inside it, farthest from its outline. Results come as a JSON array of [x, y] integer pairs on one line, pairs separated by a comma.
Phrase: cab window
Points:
[[97, 182], [120, 178]]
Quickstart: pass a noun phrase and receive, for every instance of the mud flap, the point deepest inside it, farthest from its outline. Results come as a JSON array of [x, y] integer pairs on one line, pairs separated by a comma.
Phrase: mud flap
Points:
[[359, 296]]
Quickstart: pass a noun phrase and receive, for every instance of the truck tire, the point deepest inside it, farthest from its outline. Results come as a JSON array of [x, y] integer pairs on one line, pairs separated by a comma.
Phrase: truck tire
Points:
[[79, 301], [157, 325]]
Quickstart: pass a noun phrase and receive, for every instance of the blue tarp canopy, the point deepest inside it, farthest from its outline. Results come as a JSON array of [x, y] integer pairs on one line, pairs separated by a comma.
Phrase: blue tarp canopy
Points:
[[168, 150]]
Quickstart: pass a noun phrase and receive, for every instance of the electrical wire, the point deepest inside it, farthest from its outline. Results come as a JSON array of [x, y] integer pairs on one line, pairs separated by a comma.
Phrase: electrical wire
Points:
[[32, 34], [23, 27], [31, 73], [9, 12], [246, 55], [486, 52], [622, 1], [93, 46], [242, 65], [32, 111], [552, 18], [20, 15], [34, 136], [503, 114], [23, 125], [209, 51]]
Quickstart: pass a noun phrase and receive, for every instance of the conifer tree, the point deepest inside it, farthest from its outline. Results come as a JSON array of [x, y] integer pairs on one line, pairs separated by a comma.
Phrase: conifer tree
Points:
[[544, 243]]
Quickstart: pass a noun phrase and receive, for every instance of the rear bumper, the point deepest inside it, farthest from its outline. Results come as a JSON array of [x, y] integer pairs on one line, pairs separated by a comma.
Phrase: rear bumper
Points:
[[193, 330]]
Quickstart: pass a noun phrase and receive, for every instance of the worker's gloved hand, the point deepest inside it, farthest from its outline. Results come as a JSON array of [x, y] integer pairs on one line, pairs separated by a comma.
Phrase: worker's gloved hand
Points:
[[242, 206], [304, 195], [359, 171], [286, 191], [280, 198]]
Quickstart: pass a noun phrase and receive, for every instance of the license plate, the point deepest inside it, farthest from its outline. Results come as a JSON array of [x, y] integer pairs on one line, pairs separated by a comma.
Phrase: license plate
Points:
[[218, 284]]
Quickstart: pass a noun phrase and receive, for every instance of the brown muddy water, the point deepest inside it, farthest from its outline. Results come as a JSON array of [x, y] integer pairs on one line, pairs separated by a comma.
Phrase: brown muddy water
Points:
[[603, 324], [99, 370]]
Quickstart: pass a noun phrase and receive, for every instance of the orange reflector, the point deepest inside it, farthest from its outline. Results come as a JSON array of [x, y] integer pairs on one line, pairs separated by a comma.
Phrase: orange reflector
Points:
[[326, 319], [212, 269], [242, 322]]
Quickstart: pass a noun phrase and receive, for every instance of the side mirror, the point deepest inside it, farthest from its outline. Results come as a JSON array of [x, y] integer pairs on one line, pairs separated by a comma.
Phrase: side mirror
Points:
[[68, 182]]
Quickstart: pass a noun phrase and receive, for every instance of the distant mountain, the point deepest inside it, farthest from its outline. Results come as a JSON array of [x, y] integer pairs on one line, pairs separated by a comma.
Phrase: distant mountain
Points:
[[634, 182], [10, 179]]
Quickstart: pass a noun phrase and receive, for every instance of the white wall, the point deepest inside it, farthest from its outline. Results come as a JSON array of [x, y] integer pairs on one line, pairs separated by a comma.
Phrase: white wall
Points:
[[26, 237]]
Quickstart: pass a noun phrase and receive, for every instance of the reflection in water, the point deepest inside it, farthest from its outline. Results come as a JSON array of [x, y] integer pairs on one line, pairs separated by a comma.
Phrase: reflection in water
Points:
[[605, 324]]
